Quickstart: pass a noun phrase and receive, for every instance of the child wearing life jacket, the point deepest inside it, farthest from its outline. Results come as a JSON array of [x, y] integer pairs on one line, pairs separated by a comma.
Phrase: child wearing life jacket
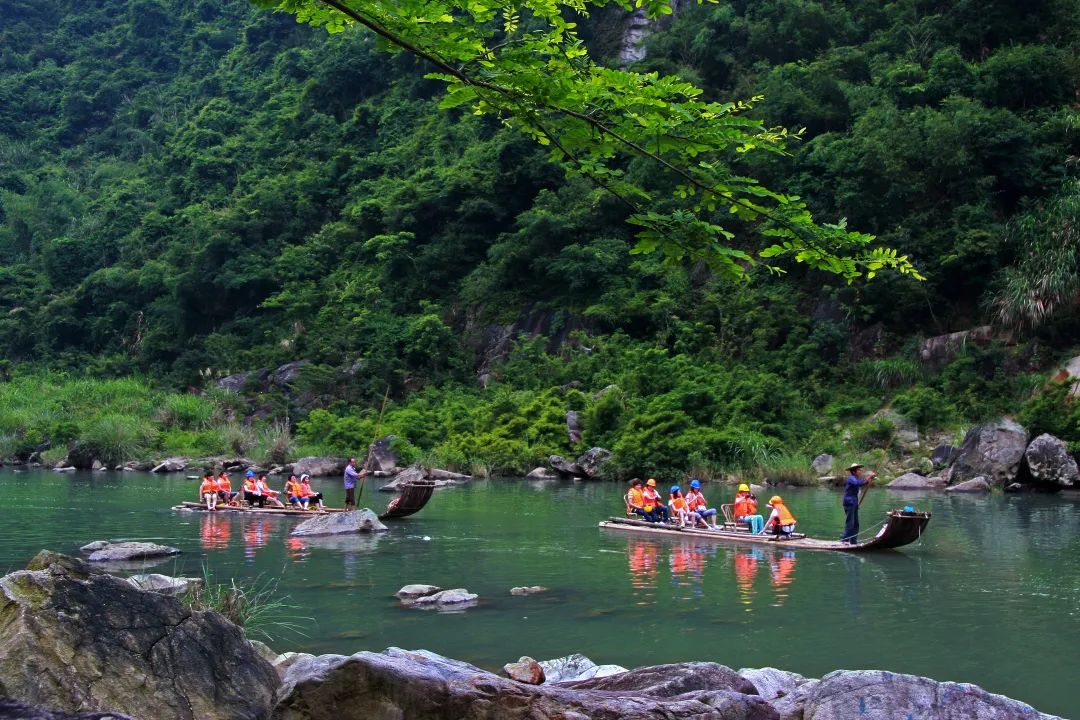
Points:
[[294, 493], [308, 494], [208, 491], [781, 521], [680, 509]]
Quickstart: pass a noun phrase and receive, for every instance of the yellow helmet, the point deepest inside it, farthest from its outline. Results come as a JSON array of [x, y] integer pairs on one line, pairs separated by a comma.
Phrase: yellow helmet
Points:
[[651, 482], [744, 488], [775, 499]]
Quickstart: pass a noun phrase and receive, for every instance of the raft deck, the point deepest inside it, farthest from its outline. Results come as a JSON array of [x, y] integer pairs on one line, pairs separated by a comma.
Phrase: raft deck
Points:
[[900, 528]]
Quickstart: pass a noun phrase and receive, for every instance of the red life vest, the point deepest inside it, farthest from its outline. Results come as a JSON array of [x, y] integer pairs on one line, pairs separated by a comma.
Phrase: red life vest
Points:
[[745, 504], [207, 487], [696, 500], [636, 498]]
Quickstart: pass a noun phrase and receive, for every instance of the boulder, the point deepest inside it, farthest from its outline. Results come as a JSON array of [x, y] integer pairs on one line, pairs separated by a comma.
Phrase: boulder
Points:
[[669, 681], [320, 466], [525, 670], [943, 456], [564, 467], [592, 460], [437, 474], [80, 640], [78, 456], [822, 464], [937, 351], [170, 465], [341, 523], [792, 706], [1050, 462], [880, 695], [975, 485], [457, 596], [1071, 374], [573, 427], [420, 685], [576, 667], [288, 373], [96, 545], [905, 432], [97, 466], [287, 660], [121, 551], [528, 590], [993, 450], [383, 457], [411, 592], [910, 481], [15, 710], [265, 651], [241, 381], [772, 683], [164, 584], [540, 473], [415, 473]]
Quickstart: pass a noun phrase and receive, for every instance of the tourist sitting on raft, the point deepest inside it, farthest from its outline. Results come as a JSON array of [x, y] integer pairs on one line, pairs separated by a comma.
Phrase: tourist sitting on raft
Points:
[[746, 509], [680, 509], [308, 495], [781, 522], [252, 496], [644, 503], [264, 489], [208, 491], [653, 507], [224, 489], [698, 506]]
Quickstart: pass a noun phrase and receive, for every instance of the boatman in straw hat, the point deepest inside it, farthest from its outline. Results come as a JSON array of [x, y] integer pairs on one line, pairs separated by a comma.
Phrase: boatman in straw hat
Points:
[[349, 480], [858, 479]]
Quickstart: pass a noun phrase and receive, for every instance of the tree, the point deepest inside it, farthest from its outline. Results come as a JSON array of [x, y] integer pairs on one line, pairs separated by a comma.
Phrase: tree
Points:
[[522, 62]]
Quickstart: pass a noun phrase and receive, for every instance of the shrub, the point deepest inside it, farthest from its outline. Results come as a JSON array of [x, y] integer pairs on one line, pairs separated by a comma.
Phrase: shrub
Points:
[[112, 439], [787, 469], [926, 407], [277, 443], [239, 438], [254, 606], [1052, 411], [888, 373]]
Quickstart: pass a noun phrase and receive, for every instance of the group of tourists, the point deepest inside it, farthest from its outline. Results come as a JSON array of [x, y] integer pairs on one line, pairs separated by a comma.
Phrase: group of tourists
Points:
[[257, 492], [691, 509]]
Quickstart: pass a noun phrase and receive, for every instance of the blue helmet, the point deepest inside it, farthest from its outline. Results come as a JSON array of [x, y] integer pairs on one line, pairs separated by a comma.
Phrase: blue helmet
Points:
[[696, 484], [249, 473], [675, 489]]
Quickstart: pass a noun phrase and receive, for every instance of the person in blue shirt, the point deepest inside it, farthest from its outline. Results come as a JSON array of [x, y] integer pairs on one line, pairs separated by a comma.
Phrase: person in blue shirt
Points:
[[858, 478]]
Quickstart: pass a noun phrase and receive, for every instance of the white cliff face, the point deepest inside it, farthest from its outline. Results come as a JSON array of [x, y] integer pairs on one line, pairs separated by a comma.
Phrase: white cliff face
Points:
[[638, 28]]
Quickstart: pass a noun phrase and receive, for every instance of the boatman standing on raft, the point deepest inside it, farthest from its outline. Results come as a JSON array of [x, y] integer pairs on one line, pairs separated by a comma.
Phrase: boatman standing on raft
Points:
[[857, 480], [351, 476]]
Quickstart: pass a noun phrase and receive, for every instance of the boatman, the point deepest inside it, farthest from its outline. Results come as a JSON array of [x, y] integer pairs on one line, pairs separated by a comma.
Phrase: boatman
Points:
[[351, 476], [857, 480]]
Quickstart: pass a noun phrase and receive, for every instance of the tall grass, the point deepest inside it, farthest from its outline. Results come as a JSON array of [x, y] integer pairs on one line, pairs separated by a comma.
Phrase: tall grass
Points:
[[888, 373], [186, 412], [277, 443], [256, 606], [787, 469], [113, 439], [239, 439]]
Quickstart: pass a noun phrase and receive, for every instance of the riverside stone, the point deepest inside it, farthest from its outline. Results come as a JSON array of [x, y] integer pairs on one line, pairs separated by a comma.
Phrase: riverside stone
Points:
[[540, 473], [164, 584], [171, 465], [993, 450], [456, 596], [576, 667], [909, 481], [319, 466], [341, 523], [410, 592], [122, 551], [525, 670], [1050, 462], [528, 590], [822, 464], [79, 640], [772, 683], [976, 485], [419, 685]]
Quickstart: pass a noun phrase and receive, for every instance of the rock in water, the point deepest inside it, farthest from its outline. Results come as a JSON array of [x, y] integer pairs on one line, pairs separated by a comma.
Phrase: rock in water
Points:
[[339, 524], [423, 686], [410, 592], [576, 667], [121, 551], [171, 465], [592, 461], [456, 596], [525, 670], [319, 466], [96, 545], [993, 450], [1050, 462], [880, 695], [909, 481], [562, 466], [540, 473], [976, 485], [79, 640], [408, 476], [528, 590], [164, 584]]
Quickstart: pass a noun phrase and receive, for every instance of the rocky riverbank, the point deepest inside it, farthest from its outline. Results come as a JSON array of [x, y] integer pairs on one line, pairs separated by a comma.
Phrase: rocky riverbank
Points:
[[79, 642]]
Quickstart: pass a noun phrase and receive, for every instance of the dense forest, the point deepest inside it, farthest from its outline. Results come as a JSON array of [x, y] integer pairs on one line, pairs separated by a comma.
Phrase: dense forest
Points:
[[195, 188]]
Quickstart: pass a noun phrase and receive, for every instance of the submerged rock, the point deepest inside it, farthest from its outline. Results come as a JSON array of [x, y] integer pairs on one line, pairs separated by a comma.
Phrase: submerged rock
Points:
[[456, 596], [79, 640], [525, 670], [1050, 462], [993, 450], [576, 667], [341, 523], [419, 685], [164, 584], [121, 551], [411, 592], [528, 590], [977, 485]]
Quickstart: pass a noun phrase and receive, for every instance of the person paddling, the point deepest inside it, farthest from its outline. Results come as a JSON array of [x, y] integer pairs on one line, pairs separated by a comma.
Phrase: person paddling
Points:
[[857, 480], [208, 491], [746, 509], [349, 479]]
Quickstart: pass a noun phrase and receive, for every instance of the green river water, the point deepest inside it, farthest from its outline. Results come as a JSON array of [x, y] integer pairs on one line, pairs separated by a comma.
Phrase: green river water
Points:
[[991, 595]]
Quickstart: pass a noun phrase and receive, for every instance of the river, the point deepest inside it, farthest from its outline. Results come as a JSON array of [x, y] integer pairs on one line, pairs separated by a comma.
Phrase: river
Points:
[[991, 595]]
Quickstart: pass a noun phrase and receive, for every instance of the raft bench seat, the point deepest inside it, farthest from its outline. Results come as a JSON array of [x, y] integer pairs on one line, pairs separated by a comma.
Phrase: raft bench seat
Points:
[[729, 518]]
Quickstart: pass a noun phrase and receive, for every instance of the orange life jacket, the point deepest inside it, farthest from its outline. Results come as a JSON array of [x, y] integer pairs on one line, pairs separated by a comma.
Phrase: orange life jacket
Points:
[[249, 485], [636, 498], [745, 504], [696, 500], [652, 498], [207, 487], [293, 488], [786, 518], [678, 503], [223, 484]]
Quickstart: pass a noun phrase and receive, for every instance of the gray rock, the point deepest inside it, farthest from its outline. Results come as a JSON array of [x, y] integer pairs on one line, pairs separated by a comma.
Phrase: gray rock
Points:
[[456, 477], [264, 651], [592, 461], [78, 456], [576, 667], [241, 381], [287, 660], [943, 456], [525, 670], [92, 642], [121, 551], [383, 457], [1014, 488], [320, 466], [528, 590], [15, 710], [793, 705], [772, 683], [96, 545], [170, 465], [342, 523], [937, 351], [1050, 462], [164, 584], [415, 473], [410, 592], [822, 464], [669, 681], [880, 695], [455, 596], [909, 481], [993, 450], [975, 485], [562, 466], [540, 473], [289, 373], [97, 466], [573, 427], [420, 685], [65, 469]]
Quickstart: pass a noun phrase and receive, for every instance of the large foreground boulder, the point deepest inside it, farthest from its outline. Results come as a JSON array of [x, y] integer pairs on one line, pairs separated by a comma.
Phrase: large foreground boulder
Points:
[[772, 683], [880, 695], [15, 710], [320, 466], [79, 640], [1049, 462], [419, 685], [993, 450], [341, 523]]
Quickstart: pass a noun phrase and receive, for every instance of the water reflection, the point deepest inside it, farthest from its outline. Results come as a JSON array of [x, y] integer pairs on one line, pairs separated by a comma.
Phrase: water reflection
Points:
[[214, 531], [687, 563], [746, 567], [781, 574], [256, 535], [643, 556]]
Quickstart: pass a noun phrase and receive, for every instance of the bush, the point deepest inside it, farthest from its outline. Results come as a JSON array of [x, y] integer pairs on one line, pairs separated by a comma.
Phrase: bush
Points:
[[278, 444], [186, 412], [112, 439], [926, 407], [1052, 411]]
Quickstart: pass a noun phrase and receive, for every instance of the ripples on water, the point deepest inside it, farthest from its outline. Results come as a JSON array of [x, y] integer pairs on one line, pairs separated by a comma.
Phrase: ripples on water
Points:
[[989, 596]]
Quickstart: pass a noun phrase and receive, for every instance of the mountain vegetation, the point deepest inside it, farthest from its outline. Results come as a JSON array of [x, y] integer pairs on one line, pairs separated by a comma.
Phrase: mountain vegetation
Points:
[[195, 188]]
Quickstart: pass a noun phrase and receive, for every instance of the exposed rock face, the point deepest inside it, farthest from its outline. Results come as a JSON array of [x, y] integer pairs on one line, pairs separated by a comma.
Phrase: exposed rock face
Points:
[[1050, 462], [289, 373], [320, 466], [573, 427], [563, 466], [170, 465], [540, 473], [79, 640], [943, 456], [119, 552], [975, 485], [593, 460], [576, 667], [164, 584], [424, 686], [772, 683], [341, 523], [525, 670], [239, 381], [937, 351], [411, 592], [14, 710], [879, 695], [993, 450], [383, 457], [822, 464]]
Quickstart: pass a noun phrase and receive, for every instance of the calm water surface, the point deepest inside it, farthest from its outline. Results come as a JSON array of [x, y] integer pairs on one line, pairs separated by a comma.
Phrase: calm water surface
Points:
[[990, 596]]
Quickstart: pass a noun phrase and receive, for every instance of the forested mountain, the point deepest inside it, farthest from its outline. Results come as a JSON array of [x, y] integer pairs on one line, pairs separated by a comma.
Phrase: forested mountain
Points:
[[191, 188]]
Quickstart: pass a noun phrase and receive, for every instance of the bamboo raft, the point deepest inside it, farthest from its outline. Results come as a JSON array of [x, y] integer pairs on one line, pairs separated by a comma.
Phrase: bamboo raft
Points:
[[900, 528], [411, 500]]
